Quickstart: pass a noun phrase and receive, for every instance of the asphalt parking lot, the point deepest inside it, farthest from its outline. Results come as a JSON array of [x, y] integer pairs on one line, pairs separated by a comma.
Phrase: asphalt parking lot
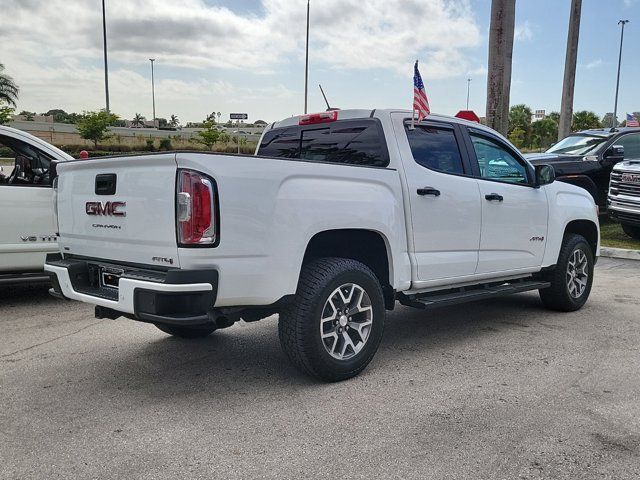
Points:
[[498, 389]]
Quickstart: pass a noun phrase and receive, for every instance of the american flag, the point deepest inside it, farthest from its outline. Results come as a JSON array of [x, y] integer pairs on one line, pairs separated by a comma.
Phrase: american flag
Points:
[[632, 120], [420, 100]]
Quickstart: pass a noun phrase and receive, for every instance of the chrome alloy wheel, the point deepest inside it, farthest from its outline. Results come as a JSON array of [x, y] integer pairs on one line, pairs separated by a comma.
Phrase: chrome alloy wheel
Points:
[[577, 273], [346, 321]]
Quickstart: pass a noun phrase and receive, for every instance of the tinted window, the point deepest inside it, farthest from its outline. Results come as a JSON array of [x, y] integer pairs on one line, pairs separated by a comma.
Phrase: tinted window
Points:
[[631, 144], [355, 142], [496, 162], [281, 142], [435, 148]]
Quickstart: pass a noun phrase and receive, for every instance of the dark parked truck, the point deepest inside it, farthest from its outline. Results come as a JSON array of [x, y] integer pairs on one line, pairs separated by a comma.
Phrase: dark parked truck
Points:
[[586, 158]]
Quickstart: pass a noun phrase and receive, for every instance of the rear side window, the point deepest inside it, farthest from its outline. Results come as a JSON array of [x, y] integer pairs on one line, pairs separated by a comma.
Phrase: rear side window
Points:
[[353, 142], [435, 148]]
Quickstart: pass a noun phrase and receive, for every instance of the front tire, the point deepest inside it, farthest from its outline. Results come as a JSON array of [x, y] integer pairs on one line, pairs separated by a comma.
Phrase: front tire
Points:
[[572, 277], [631, 230], [187, 332], [333, 326]]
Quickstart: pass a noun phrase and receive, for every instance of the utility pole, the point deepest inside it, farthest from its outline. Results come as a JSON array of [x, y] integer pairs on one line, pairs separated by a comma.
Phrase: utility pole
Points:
[[106, 67], [501, 32], [615, 107], [153, 92], [306, 63], [468, 88], [571, 58]]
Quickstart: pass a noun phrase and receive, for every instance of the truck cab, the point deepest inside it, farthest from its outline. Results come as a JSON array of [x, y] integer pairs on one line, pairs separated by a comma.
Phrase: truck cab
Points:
[[27, 225]]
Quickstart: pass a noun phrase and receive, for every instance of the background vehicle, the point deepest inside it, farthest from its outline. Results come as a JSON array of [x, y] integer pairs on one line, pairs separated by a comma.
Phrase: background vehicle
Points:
[[27, 225], [624, 196], [586, 158], [340, 215]]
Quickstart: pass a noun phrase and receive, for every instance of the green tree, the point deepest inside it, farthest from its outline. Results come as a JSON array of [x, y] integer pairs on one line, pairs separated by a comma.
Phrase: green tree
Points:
[[520, 117], [607, 120], [28, 116], [517, 137], [138, 120], [584, 120], [8, 89], [555, 116], [94, 125], [544, 132], [6, 113], [174, 122], [209, 136]]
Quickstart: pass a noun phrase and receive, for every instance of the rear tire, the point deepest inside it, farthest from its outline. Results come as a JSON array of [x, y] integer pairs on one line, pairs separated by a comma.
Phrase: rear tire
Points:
[[333, 326], [572, 277], [187, 332], [631, 230]]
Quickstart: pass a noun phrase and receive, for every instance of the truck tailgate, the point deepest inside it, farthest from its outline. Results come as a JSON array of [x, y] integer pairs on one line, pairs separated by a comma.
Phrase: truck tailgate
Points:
[[131, 221]]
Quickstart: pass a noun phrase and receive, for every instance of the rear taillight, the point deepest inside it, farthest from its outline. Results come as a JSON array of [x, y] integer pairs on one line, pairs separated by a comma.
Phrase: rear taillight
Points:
[[196, 209], [54, 200]]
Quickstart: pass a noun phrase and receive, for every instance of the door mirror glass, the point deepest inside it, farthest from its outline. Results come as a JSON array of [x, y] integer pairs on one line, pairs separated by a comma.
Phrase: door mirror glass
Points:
[[545, 174]]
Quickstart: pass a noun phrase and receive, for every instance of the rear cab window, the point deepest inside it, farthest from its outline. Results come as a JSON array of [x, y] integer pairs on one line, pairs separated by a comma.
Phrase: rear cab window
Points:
[[352, 142]]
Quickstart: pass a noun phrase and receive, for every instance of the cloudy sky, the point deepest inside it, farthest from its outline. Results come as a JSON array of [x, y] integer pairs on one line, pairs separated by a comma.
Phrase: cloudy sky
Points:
[[248, 55]]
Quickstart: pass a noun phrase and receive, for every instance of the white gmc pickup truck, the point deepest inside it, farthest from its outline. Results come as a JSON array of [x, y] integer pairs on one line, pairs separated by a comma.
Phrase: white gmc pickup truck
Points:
[[337, 216]]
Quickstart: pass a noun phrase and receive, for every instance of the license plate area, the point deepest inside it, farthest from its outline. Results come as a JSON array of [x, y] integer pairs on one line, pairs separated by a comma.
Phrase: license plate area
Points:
[[109, 277]]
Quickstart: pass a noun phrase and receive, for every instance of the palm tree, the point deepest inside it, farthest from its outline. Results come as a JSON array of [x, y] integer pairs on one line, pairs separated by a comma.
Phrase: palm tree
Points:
[[138, 120], [173, 121], [501, 34], [566, 110], [8, 89]]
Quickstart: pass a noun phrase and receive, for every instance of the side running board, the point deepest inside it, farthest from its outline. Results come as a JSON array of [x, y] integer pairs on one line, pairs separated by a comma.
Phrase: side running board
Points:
[[455, 296]]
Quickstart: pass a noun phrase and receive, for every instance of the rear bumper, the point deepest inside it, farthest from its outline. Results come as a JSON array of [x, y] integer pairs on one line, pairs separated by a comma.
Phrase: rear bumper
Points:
[[182, 297]]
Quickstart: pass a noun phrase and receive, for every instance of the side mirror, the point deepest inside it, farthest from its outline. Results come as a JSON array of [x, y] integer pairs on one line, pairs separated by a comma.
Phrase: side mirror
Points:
[[613, 154], [545, 174]]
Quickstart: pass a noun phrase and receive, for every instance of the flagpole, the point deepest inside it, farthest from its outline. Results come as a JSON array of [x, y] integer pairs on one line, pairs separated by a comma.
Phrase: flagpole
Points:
[[413, 111]]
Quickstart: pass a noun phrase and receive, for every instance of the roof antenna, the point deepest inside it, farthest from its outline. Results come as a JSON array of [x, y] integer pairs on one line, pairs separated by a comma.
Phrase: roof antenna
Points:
[[329, 109]]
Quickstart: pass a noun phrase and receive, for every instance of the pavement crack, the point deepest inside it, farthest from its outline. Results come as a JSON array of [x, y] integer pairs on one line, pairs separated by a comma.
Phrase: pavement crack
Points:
[[50, 340]]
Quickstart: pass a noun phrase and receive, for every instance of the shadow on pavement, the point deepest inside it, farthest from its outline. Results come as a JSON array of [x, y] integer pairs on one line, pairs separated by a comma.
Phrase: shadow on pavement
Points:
[[242, 359]]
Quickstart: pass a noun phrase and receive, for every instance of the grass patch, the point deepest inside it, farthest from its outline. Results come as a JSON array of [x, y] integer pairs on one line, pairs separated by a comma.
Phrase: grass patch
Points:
[[611, 235]]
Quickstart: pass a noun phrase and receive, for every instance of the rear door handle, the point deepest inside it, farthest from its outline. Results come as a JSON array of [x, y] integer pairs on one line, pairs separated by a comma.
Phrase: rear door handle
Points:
[[428, 191], [494, 196]]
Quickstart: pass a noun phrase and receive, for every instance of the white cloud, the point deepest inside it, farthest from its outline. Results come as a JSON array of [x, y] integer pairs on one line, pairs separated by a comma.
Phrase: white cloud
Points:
[[53, 48], [593, 64], [523, 32]]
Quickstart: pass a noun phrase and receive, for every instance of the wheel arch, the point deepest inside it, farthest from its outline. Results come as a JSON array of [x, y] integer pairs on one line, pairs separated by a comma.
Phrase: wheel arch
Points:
[[587, 229], [369, 247]]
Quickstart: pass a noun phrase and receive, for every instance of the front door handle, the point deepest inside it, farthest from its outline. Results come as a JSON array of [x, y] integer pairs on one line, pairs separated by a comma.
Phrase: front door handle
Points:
[[428, 191], [494, 196]]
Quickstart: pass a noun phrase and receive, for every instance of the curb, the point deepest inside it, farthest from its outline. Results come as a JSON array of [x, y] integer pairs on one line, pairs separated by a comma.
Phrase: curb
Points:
[[620, 253]]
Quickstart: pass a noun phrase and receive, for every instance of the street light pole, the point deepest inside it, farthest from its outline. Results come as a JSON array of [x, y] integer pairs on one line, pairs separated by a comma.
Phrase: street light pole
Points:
[[615, 107], [468, 88], [106, 68], [153, 92], [306, 63]]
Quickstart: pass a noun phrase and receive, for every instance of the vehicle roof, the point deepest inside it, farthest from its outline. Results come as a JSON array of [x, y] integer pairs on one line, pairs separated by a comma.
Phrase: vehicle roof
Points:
[[607, 132], [350, 114], [27, 137]]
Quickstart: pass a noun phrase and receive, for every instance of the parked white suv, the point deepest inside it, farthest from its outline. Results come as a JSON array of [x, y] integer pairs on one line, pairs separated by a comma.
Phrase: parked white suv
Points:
[[624, 196], [27, 225], [337, 216]]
